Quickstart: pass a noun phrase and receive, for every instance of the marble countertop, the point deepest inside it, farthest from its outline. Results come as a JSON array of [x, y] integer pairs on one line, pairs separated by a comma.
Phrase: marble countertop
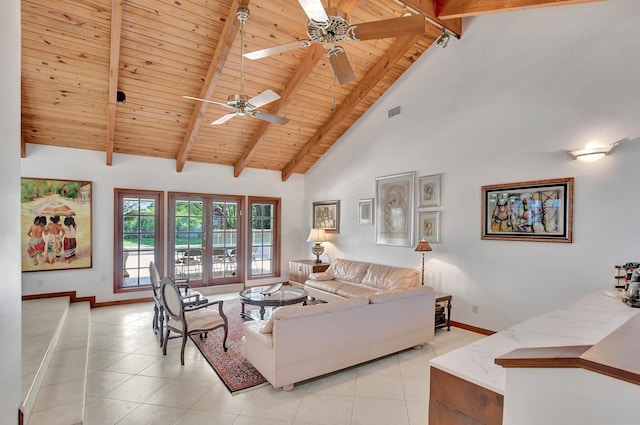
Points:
[[582, 322]]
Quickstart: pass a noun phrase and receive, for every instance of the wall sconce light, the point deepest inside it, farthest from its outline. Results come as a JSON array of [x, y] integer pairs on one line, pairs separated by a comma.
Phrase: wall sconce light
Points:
[[443, 39], [317, 236], [593, 153]]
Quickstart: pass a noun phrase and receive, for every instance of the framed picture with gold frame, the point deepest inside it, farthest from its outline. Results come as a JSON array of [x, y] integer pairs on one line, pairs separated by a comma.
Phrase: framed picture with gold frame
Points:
[[539, 211]]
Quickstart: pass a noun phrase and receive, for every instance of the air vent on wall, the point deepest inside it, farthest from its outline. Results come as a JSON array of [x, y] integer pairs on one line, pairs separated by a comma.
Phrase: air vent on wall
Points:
[[394, 111]]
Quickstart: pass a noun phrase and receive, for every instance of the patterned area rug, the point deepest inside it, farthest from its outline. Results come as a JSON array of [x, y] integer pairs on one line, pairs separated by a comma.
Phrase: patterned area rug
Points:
[[236, 372]]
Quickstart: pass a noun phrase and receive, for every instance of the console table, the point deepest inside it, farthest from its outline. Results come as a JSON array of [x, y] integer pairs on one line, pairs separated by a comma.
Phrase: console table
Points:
[[443, 319], [299, 270], [467, 386]]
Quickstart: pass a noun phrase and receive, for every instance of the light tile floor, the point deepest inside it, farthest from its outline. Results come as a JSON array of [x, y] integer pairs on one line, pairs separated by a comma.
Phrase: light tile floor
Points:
[[130, 382]]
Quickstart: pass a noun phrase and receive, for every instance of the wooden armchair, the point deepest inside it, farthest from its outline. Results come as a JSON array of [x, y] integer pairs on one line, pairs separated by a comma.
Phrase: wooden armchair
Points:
[[198, 319], [190, 298]]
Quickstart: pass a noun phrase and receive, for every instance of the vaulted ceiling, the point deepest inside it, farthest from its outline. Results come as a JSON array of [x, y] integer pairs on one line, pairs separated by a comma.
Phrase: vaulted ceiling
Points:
[[76, 54]]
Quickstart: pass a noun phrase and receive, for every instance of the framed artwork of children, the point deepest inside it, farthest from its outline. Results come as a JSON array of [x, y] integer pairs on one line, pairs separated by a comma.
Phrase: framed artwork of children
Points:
[[56, 224], [538, 211]]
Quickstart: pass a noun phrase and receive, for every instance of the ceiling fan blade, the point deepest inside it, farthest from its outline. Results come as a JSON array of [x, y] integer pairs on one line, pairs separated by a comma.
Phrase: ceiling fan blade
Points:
[[223, 119], [269, 117], [342, 67], [208, 101], [270, 51], [263, 98], [395, 27], [314, 10]]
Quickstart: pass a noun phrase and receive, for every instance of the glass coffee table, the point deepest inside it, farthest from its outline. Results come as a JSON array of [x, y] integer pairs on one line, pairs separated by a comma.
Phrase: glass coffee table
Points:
[[270, 296]]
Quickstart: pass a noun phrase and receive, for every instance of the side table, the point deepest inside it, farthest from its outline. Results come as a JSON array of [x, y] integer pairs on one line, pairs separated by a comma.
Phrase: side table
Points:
[[443, 319], [299, 271]]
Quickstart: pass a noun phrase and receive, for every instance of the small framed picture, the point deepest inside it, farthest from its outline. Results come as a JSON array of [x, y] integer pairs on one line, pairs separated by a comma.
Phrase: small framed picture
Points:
[[429, 191], [326, 215], [365, 212], [429, 226]]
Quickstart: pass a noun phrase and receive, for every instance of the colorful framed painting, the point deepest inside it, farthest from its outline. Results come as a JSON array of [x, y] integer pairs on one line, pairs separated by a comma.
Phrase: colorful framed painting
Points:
[[56, 224], [429, 191], [326, 215], [394, 209], [429, 226], [365, 212], [540, 211]]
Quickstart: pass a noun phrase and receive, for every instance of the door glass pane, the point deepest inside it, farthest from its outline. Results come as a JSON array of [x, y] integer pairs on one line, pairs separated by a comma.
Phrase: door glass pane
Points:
[[224, 237], [188, 239], [138, 240]]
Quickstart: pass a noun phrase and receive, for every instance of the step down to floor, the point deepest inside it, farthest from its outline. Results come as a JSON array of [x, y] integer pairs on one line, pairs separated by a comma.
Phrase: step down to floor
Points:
[[56, 394]]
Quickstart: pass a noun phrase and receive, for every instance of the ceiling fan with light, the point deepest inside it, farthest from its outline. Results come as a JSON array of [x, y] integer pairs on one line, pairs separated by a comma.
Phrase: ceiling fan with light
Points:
[[240, 102], [331, 26]]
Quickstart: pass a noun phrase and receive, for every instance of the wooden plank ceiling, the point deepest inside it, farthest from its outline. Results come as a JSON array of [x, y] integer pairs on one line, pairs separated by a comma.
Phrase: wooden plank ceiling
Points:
[[77, 53]]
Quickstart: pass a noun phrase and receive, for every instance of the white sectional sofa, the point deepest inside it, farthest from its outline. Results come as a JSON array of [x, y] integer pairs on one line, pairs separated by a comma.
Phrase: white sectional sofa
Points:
[[347, 278], [302, 342]]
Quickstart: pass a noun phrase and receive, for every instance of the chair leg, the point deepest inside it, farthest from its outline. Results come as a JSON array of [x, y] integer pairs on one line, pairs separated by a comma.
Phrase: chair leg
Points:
[[155, 319], [184, 342], [224, 341], [166, 339], [161, 325]]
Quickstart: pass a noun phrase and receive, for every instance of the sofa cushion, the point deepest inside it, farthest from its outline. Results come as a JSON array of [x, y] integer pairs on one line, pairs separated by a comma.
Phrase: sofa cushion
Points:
[[292, 311], [398, 294], [255, 327], [320, 276], [331, 286], [388, 277], [352, 271], [350, 290]]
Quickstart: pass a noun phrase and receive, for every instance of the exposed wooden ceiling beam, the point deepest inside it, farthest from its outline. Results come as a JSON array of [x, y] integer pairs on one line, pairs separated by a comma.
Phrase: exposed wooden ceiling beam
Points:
[[315, 53], [23, 145], [368, 82], [429, 8], [450, 9], [114, 64], [218, 61]]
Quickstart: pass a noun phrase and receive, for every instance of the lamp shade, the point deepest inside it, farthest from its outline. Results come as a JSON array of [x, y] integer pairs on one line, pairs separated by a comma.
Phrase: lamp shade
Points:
[[423, 245], [317, 235]]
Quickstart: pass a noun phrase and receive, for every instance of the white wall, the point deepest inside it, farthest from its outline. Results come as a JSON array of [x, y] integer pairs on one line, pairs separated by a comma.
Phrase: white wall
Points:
[[502, 105], [10, 290], [152, 174]]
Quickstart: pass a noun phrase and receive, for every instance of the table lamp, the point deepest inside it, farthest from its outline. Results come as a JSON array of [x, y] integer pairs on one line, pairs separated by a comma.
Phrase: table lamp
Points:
[[316, 236], [423, 246]]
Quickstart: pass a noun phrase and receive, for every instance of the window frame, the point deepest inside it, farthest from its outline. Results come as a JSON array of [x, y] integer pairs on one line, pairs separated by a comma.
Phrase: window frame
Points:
[[277, 213], [118, 247]]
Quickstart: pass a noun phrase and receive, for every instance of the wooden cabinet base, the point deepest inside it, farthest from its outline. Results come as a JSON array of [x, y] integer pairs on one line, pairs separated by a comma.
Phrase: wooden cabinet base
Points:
[[299, 270], [454, 401]]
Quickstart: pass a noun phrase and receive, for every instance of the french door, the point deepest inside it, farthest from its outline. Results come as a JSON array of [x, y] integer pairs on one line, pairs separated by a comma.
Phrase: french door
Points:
[[206, 238]]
